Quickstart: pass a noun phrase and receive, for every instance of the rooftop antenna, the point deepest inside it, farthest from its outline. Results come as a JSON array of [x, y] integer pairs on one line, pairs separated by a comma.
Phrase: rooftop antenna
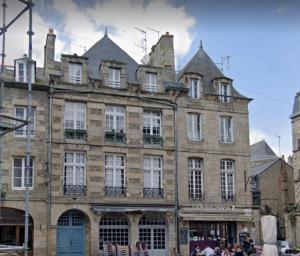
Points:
[[154, 30], [144, 44], [223, 60]]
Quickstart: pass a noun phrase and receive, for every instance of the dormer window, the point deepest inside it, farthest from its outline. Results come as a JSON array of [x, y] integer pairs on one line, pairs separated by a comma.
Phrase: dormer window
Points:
[[75, 73], [151, 82], [194, 86], [22, 70], [114, 77], [224, 93]]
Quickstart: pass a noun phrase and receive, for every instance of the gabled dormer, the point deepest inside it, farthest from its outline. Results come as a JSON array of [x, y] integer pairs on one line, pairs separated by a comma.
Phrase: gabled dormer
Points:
[[113, 74], [22, 67], [150, 78], [223, 87]]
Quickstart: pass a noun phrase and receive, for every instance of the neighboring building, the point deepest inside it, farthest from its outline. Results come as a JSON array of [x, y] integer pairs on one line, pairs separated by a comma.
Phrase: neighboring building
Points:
[[272, 181], [124, 152], [295, 119]]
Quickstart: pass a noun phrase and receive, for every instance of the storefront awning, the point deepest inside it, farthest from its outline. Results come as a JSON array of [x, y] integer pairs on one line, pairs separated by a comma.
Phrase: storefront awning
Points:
[[98, 208], [216, 217]]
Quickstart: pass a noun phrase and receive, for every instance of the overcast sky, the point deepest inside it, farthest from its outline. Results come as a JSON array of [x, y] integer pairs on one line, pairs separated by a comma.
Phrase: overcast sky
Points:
[[262, 39]]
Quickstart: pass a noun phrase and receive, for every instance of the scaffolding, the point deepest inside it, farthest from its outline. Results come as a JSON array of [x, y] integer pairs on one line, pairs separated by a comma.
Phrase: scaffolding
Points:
[[8, 123]]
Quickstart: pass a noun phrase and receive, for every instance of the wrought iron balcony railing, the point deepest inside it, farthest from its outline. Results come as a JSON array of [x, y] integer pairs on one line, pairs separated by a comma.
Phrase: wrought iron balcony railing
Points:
[[153, 139], [115, 191], [196, 196], [74, 189], [115, 137], [153, 192], [73, 134], [228, 197]]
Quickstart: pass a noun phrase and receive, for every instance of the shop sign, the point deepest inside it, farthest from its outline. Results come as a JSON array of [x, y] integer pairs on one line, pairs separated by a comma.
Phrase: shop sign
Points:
[[212, 207]]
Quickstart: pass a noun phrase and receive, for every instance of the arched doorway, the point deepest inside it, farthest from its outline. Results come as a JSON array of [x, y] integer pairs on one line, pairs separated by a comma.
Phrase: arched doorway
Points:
[[153, 232], [71, 234], [113, 228]]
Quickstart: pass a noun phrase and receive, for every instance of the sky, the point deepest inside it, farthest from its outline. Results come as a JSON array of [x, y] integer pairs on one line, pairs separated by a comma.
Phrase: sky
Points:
[[262, 38]]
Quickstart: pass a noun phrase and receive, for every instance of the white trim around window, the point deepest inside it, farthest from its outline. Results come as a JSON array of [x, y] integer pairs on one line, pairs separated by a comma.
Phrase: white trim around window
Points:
[[152, 172], [194, 88], [74, 168], [115, 170], [227, 179], [114, 77], [114, 118], [22, 71], [195, 174], [194, 126], [18, 173], [75, 73], [152, 123], [75, 116], [226, 129], [151, 82], [21, 113], [224, 92]]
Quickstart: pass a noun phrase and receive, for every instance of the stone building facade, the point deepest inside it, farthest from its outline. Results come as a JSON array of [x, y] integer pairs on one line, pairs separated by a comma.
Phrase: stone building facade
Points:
[[124, 152]]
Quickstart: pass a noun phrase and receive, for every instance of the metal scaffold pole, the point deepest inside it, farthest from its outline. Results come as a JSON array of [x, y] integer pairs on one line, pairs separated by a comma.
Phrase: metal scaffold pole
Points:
[[29, 114]]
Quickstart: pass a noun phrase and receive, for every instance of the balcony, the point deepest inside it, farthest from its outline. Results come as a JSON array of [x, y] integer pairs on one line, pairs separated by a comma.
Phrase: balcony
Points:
[[153, 192], [73, 134], [115, 191], [115, 137], [153, 139], [74, 189]]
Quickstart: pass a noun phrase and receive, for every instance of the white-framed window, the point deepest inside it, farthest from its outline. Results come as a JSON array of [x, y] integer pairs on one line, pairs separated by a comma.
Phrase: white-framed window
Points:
[[195, 178], [194, 123], [114, 77], [152, 172], [224, 92], [22, 71], [227, 179], [21, 113], [114, 170], [151, 82], [226, 129], [75, 116], [19, 174], [194, 88], [75, 73], [114, 118], [74, 168], [152, 123]]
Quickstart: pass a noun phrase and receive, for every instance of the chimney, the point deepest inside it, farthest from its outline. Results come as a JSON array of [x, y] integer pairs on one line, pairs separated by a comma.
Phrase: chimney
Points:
[[49, 50], [162, 54]]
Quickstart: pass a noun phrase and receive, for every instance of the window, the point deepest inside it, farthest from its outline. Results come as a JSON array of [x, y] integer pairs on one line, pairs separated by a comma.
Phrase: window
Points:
[[113, 228], [152, 128], [74, 173], [75, 123], [75, 73], [21, 113], [194, 127], [152, 176], [224, 93], [114, 77], [151, 82], [227, 179], [226, 131], [19, 167], [115, 175], [114, 118], [194, 91], [195, 178], [22, 71]]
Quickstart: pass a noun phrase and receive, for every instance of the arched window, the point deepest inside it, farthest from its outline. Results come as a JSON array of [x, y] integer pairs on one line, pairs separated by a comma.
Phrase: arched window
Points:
[[113, 228], [71, 218]]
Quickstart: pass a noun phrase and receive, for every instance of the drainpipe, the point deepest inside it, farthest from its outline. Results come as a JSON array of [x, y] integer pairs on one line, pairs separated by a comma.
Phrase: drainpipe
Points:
[[49, 165]]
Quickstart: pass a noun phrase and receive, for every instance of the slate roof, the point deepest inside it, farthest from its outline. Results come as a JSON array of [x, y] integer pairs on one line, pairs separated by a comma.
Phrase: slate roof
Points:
[[262, 151], [106, 49], [262, 167], [174, 86], [203, 65]]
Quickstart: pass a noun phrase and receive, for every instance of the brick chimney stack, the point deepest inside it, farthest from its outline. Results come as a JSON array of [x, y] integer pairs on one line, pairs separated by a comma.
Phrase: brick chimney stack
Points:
[[49, 50]]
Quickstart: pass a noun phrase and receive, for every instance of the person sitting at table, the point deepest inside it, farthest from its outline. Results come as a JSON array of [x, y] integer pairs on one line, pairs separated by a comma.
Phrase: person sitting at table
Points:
[[208, 251], [196, 251]]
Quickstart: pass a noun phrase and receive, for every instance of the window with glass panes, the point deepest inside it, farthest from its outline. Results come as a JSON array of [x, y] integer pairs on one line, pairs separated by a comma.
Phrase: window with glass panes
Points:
[[22, 71], [152, 172], [151, 82], [21, 113], [195, 178], [227, 179], [114, 118], [114, 77], [152, 123], [113, 228], [19, 173], [194, 87], [75, 73], [194, 126], [75, 116], [226, 130], [114, 171], [74, 173], [224, 93]]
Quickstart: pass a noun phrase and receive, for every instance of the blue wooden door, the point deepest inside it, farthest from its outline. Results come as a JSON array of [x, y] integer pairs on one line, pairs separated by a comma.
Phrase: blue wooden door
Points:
[[70, 234]]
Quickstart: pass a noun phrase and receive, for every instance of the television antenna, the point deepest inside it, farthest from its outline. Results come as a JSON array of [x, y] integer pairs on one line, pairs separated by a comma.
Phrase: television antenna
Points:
[[224, 60], [143, 44], [154, 30]]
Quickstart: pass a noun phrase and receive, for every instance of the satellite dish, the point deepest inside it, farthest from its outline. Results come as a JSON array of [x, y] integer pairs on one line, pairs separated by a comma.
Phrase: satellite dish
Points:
[[145, 60]]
